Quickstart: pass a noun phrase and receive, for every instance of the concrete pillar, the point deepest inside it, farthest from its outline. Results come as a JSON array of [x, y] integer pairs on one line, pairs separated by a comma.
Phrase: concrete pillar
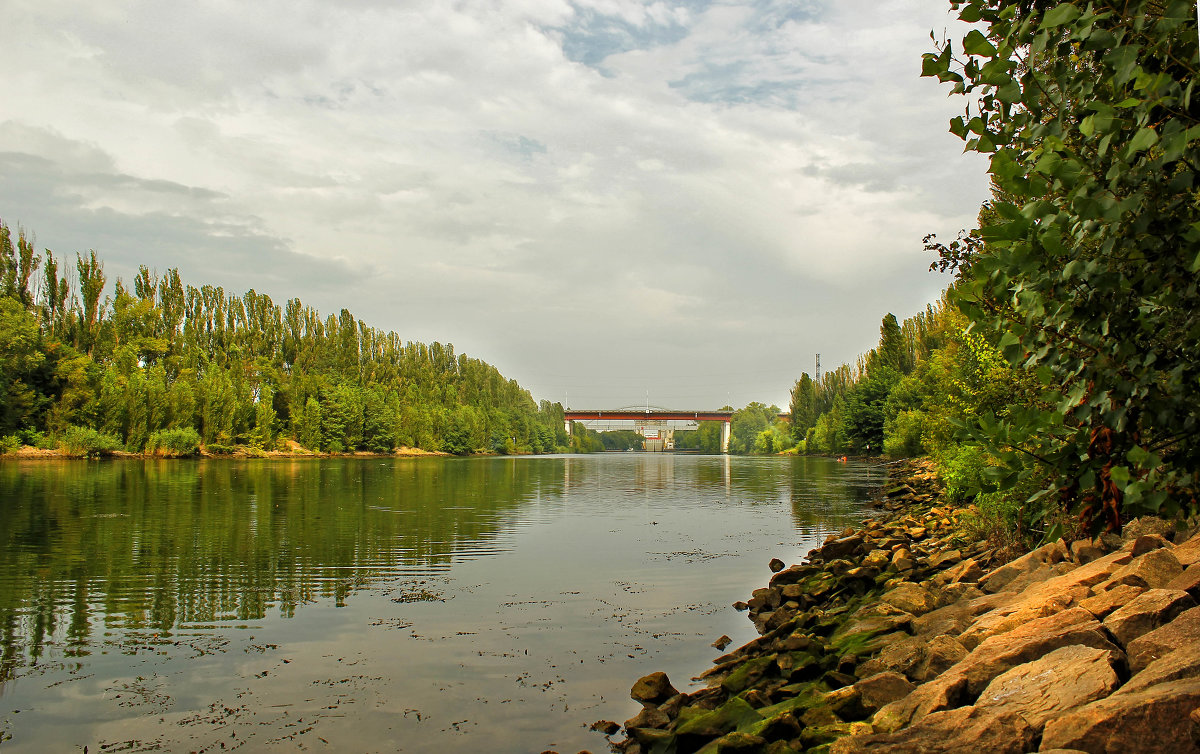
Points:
[[567, 426], [725, 428]]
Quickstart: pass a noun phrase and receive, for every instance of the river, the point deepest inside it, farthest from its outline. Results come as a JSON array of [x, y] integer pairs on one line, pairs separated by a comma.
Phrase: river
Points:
[[377, 604]]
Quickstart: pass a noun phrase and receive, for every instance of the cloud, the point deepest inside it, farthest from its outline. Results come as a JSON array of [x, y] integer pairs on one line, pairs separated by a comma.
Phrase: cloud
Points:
[[687, 183]]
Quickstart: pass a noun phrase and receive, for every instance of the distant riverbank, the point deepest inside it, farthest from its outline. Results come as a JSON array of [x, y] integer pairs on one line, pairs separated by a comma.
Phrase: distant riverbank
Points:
[[28, 452]]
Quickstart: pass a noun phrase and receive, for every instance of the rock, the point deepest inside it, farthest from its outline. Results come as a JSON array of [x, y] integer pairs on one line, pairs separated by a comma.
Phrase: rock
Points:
[[1153, 570], [1039, 576], [846, 702], [747, 674], [882, 688], [735, 741], [607, 727], [939, 655], [841, 548], [1145, 544], [735, 713], [1188, 581], [902, 656], [1023, 609], [1146, 612], [740, 606], [1151, 720], [1148, 647], [945, 559], [1188, 553], [653, 689], [1046, 554], [1084, 551], [649, 717], [911, 598], [1181, 662], [793, 574], [1147, 525], [951, 732], [963, 682], [722, 642], [776, 565], [968, 570], [1102, 604], [1064, 679], [958, 591]]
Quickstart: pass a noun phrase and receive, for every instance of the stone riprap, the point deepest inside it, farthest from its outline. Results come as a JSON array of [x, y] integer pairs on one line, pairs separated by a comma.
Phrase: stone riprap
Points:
[[906, 635]]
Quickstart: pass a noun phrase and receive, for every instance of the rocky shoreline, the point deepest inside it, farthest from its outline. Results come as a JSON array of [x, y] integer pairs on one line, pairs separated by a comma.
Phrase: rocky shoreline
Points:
[[906, 635]]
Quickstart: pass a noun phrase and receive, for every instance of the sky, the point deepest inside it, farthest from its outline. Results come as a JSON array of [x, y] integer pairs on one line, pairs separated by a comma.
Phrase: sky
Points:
[[615, 202]]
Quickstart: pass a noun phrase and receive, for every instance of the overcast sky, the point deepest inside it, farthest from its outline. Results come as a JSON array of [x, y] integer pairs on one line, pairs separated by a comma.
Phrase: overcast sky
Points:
[[610, 200]]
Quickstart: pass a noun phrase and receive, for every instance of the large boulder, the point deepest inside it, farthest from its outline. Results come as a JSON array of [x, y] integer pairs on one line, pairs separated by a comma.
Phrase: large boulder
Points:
[[1188, 581], [655, 688], [997, 579], [1041, 690], [1148, 647], [1181, 662], [1153, 570], [1020, 612], [1100, 605], [1154, 720], [1146, 612], [911, 598], [882, 688], [964, 682], [1188, 553], [949, 732]]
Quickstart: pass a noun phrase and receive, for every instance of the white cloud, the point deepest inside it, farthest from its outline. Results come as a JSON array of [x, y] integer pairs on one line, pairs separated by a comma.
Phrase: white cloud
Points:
[[518, 178]]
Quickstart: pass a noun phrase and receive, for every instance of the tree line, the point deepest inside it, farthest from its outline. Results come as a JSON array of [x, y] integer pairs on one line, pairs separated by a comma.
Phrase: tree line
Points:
[[164, 366]]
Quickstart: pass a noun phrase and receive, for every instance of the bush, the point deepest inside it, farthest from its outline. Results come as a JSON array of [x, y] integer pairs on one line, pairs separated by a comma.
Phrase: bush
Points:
[[219, 450], [961, 468], [9, 444], [85, 442], [173, 443]]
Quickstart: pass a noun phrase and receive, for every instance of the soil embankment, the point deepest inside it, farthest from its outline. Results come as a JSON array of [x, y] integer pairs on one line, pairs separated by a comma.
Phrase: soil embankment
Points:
[[908, 636]]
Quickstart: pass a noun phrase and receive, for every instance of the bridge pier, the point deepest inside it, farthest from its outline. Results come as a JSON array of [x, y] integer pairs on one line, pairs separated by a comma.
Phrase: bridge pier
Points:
[[725, 429]]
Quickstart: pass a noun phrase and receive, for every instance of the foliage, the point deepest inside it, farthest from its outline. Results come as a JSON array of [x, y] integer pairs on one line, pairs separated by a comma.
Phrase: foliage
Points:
[[85, 442], [239, 370], [1088, 261], [173, 443], [9, 444]]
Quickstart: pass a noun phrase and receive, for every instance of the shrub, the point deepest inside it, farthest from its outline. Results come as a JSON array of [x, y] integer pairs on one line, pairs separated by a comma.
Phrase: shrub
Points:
[[173, 443], [85, 442], [961, 468], [219, 450], [9, 444]]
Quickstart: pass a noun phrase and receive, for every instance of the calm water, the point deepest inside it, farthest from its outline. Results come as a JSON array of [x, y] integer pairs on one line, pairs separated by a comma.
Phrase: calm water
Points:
[[418, 605]]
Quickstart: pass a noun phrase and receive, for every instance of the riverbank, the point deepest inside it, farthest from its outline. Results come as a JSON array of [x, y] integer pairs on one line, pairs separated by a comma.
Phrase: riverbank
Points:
[[909, 635], [294, 450]]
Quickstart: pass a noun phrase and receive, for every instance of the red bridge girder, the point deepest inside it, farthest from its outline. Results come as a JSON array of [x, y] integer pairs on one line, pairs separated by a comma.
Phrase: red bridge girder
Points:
[[652, 415]]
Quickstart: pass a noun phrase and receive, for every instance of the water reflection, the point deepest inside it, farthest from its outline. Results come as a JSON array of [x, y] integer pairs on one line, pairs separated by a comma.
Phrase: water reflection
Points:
[[641, 553], [168, 545]]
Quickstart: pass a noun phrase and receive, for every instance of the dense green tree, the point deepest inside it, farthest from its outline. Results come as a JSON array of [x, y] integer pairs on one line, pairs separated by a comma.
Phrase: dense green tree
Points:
[[1089, 267]]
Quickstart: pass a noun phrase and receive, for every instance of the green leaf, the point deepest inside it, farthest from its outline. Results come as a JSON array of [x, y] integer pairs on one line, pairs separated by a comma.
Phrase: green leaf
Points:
[[1143, 140], [1062, 14], [977, 44], [1120, 475]]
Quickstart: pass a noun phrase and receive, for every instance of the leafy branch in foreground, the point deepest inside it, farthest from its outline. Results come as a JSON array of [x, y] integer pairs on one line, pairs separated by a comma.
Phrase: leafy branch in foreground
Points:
[[1088, 264]]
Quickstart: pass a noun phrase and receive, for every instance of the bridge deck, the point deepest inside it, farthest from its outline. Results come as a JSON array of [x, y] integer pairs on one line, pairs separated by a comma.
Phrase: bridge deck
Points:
[[652, 415]]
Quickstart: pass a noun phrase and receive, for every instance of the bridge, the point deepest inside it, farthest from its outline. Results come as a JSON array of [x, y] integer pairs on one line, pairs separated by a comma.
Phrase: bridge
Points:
[[655, 423]]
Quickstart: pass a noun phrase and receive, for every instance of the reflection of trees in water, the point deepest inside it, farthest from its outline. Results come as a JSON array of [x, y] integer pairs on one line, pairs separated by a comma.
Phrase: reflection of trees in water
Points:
[[161, 545]]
